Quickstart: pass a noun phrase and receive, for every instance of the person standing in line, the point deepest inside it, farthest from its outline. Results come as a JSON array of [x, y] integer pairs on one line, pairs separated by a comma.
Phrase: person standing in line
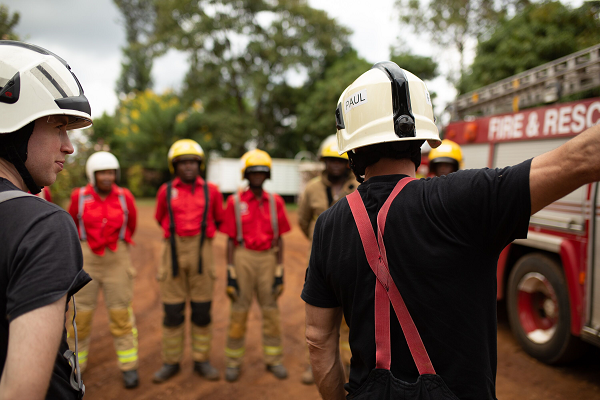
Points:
[[434, 259], [106, 216], [334, 183], [445, 159], [40, 256], [189, 210], [254, 221]]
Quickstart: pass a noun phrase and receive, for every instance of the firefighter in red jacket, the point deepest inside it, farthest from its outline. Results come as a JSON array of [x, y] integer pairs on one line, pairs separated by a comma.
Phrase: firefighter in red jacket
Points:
[[189, 210], [254, 221], [105, 216]]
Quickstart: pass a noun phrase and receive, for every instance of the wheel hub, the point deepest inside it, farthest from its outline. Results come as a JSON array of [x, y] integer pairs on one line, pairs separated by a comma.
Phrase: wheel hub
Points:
[[538, 307]]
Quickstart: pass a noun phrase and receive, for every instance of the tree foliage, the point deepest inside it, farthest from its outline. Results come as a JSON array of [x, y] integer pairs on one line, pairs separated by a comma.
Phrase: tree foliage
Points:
[[541, 33], [139, 16], [248, 60], [423, 67], [316, 113], [8, 22], [451, 23]]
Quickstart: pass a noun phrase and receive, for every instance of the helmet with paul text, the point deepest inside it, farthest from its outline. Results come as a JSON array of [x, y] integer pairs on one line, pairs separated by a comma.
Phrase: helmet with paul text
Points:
[[184, 147], [256, 161], [385, 104], [329, 149], [448, 152], [101, 161]]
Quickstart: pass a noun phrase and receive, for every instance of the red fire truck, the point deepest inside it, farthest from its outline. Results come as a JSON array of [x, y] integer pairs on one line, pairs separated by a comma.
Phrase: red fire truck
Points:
[[551, 280]]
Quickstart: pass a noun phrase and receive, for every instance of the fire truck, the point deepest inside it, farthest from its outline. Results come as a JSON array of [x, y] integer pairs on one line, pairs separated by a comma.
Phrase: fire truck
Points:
[[551, 280]]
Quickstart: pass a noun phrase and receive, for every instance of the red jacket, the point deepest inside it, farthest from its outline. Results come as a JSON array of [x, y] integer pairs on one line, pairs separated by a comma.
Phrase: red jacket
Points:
[[187, 203], [256, 220], [102, 219]]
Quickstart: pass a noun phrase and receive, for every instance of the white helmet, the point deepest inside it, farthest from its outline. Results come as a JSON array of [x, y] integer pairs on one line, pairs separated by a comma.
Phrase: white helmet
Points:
[[371, 110], [101, 161], [36, 83]]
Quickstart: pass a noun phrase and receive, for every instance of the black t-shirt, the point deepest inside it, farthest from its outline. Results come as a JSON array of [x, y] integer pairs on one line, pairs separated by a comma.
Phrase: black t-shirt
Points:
[[40, 262], [443, 237]]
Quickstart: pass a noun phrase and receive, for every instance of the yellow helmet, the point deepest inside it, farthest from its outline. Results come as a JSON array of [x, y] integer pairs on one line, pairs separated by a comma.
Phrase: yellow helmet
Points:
[[329, 148], [184, 147], [448, 152], [256, 161]]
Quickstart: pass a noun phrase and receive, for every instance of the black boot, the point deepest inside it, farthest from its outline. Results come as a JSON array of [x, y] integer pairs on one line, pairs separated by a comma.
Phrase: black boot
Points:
[[166, 372], [130, 379], [206, 370]]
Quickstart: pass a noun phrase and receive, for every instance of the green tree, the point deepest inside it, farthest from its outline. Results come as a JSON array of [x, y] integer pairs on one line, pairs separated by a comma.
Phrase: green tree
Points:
[[541, 33], [452, 23], [423, 67], [248, 60], [316, 113], [139, 16], [8, 23]]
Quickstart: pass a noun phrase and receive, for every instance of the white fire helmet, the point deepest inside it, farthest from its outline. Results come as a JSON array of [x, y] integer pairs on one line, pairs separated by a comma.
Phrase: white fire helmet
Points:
[[34, 83], [101, 161], [385, 104]]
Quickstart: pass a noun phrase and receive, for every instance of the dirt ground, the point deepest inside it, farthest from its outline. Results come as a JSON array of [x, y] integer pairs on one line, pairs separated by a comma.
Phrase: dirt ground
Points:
[[519, 376]]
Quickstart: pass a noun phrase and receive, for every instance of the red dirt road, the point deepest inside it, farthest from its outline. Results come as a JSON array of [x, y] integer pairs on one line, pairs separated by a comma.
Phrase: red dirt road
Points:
[[519, 376]]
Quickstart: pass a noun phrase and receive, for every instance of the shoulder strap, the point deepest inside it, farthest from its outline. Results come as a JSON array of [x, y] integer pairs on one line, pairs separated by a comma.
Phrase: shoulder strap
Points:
[[385, 286], [329, 195], [80, 207], [123, 202], [13, 194], [203, 224], [174, 262], [274, 220], [238, 219]]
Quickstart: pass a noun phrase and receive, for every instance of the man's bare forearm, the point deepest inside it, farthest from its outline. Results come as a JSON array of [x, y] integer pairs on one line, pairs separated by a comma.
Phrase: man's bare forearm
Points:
[[322, 337], [327, 371], [558, 172]]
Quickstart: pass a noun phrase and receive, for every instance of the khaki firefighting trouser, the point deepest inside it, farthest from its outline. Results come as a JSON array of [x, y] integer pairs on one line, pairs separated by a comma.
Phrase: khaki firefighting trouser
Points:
[[113, 273], [175, 291], [255, 274]]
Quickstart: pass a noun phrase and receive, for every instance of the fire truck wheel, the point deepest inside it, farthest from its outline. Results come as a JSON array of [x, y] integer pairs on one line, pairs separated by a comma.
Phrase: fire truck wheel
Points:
[[538, 310]]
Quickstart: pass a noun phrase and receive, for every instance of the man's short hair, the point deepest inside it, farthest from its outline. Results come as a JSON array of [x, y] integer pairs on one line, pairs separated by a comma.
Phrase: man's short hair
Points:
[[366, 156]]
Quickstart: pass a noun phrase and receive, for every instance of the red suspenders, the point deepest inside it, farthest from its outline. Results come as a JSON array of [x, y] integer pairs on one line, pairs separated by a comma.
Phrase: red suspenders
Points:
[[385, 288]]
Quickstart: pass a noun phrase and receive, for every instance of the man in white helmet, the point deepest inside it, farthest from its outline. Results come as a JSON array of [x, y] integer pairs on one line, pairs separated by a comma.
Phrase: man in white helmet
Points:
[[435, 258], [106, 216], [40, 255]]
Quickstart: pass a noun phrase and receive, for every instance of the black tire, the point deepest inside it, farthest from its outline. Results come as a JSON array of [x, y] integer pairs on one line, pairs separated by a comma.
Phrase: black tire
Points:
[[538, 310]]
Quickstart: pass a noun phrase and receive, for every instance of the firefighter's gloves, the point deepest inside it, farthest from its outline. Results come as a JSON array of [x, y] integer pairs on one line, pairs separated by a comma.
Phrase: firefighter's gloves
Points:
[[278, 282], [233, 290]]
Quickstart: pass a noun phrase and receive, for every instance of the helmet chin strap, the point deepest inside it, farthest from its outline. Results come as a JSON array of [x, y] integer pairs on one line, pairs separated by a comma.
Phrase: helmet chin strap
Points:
[[15, 151], [20, 166]]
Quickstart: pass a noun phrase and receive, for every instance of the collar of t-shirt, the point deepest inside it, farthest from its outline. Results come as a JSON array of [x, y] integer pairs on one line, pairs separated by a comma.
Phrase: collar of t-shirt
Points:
[[248, 196], [391, 179], [177, 182], [6, 185]]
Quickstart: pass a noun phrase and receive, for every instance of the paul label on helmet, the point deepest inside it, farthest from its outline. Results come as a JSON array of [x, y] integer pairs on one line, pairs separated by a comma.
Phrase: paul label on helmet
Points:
[[41, 268], [254, 220], [189, 210], [428, 246], [106, 216]]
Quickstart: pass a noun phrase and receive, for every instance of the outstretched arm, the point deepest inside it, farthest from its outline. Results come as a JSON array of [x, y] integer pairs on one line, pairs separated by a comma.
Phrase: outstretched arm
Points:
[[33, 343], [558, 172], [322, 337]]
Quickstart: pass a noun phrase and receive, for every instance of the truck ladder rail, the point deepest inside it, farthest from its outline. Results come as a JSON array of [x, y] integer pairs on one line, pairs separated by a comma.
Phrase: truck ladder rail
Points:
[[546, 83]]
